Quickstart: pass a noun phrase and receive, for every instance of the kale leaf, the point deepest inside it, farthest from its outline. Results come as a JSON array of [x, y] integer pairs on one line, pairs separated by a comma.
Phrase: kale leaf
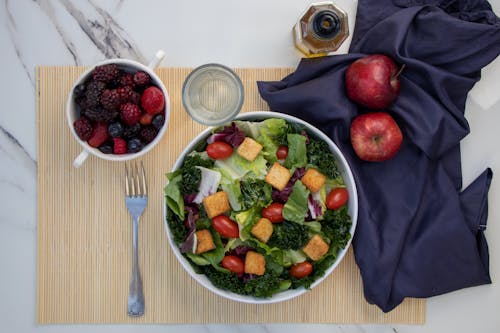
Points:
[[289, 236], [179, 231], [191, 176], [336, 225], [319, 155], [255, 192]]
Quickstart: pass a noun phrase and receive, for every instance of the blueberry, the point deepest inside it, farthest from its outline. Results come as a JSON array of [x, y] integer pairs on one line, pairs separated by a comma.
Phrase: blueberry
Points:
[[79, 90], [115, 129], [134, 145], [106, 147], [158, 121]]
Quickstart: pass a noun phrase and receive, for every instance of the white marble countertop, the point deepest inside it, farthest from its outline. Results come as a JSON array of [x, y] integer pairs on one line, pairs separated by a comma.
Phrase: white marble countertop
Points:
[[236, 33]]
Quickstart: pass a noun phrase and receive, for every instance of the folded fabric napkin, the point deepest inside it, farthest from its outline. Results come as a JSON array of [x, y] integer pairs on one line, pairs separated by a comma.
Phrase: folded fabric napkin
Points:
[[419, 234]]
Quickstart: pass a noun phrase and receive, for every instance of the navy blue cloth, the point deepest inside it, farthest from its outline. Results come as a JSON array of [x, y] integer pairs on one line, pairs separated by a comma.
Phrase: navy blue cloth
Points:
[[419, 232]]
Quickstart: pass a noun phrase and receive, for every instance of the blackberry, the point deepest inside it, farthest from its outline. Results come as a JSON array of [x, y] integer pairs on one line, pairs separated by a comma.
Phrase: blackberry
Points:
[[127, 80], [93, 93], [115, 129], [83, 128], [128, 95], [131, 131], [158, 121], [79, 90], [148, 133], [110, 99], [100, 114], [106, 147], [134, 145], [141, 78], [106, 73]]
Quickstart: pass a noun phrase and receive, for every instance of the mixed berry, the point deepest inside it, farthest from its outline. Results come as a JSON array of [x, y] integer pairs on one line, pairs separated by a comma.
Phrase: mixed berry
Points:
[[119, 112]]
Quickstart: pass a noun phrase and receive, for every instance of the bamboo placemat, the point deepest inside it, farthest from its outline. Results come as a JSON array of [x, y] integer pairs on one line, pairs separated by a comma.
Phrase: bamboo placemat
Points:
[[84, 240]]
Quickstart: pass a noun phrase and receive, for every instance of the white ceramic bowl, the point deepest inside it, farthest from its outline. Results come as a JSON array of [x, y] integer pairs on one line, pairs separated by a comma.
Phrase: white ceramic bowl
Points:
[[352, 208], [128, 66]]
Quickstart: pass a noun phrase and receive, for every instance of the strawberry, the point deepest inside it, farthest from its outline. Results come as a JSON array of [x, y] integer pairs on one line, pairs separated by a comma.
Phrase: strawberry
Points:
[[152, 100], [99, 135], [130, 113], [119, 146]]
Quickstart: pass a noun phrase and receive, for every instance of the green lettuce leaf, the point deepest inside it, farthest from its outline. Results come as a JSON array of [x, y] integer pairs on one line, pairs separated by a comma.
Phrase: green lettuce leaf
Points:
[[296, 208], [297, 152], [175, 201]]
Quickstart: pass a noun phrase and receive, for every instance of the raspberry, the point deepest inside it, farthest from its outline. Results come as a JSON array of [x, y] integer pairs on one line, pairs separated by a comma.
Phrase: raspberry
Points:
[[110, 99], [83, 128], [141, 78], [93, 92], [134, 145], [100, 114], [152, 100], [106, 73], [148, 133], [119, 146], [99, 135], [127, 80], [128, 95], [130, 113]]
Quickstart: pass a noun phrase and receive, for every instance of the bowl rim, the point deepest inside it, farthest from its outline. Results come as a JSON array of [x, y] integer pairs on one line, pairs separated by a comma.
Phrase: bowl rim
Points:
[[70, 108], [352, 206]]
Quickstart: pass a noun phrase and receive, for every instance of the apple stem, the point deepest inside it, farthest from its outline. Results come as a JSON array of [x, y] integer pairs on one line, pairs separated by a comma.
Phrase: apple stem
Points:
[[398, 73]]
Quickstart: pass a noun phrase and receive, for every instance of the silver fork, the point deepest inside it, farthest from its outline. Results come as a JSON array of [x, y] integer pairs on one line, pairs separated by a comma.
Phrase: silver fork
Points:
[[136, 200]]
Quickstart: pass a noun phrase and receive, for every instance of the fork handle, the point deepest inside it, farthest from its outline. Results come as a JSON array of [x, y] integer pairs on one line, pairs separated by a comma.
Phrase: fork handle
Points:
[[136, 295]]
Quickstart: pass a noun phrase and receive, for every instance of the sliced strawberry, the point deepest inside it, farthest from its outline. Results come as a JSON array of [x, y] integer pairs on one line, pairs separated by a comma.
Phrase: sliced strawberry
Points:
[[146, 118], [152, 100], [119, 146], [99, 135]]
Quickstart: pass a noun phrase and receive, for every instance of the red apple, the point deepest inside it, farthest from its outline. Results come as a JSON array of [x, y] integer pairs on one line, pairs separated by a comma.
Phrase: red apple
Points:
[[375, 136], [373, 81]]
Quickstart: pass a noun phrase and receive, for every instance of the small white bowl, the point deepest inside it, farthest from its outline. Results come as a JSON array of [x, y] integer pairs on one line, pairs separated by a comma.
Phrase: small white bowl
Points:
[[352, 208], [128, 66]]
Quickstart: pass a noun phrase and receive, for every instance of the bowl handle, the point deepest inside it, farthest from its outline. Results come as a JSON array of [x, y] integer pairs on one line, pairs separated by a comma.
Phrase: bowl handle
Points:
[[157, 59], [80, 159]]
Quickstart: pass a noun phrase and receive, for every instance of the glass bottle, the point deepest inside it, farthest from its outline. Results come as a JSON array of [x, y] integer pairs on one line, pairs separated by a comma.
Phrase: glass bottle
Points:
[[321, 29]]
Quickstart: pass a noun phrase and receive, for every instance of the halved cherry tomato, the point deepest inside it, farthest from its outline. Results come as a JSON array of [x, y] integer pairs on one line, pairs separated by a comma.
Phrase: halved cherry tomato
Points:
[[274, 212], [301, 270], [225, 226], [337, 198], [282, 152], [219, 150], [233, 263]]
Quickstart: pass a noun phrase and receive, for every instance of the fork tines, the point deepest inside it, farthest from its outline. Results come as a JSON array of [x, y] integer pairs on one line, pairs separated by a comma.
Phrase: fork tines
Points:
[[135, 181]]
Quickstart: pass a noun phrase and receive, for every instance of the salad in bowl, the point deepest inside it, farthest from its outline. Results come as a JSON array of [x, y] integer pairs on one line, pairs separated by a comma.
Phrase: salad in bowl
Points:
[[261, 209]]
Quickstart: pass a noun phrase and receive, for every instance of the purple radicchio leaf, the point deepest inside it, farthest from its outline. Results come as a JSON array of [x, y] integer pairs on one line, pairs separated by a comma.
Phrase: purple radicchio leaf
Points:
[[232, 135], [282, 196], [190, 222], [315, 209]]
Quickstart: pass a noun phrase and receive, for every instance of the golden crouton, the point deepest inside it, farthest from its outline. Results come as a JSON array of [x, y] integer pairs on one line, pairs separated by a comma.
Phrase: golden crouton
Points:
[[216, 204], [255, 263], [316, 248], [262, 230], [249, 149], [278, 176], [313, 180], [204, 241]]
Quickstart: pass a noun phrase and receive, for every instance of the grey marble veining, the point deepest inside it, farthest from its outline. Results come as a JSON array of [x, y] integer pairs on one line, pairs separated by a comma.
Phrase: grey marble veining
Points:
[[236, 33]]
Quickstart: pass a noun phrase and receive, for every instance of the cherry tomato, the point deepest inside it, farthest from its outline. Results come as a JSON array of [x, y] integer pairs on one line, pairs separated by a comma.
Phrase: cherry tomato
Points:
[[301, 270], [233, 263], [282, 152], [274, 212], [337, 198], [225, 226], [219, 150]]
